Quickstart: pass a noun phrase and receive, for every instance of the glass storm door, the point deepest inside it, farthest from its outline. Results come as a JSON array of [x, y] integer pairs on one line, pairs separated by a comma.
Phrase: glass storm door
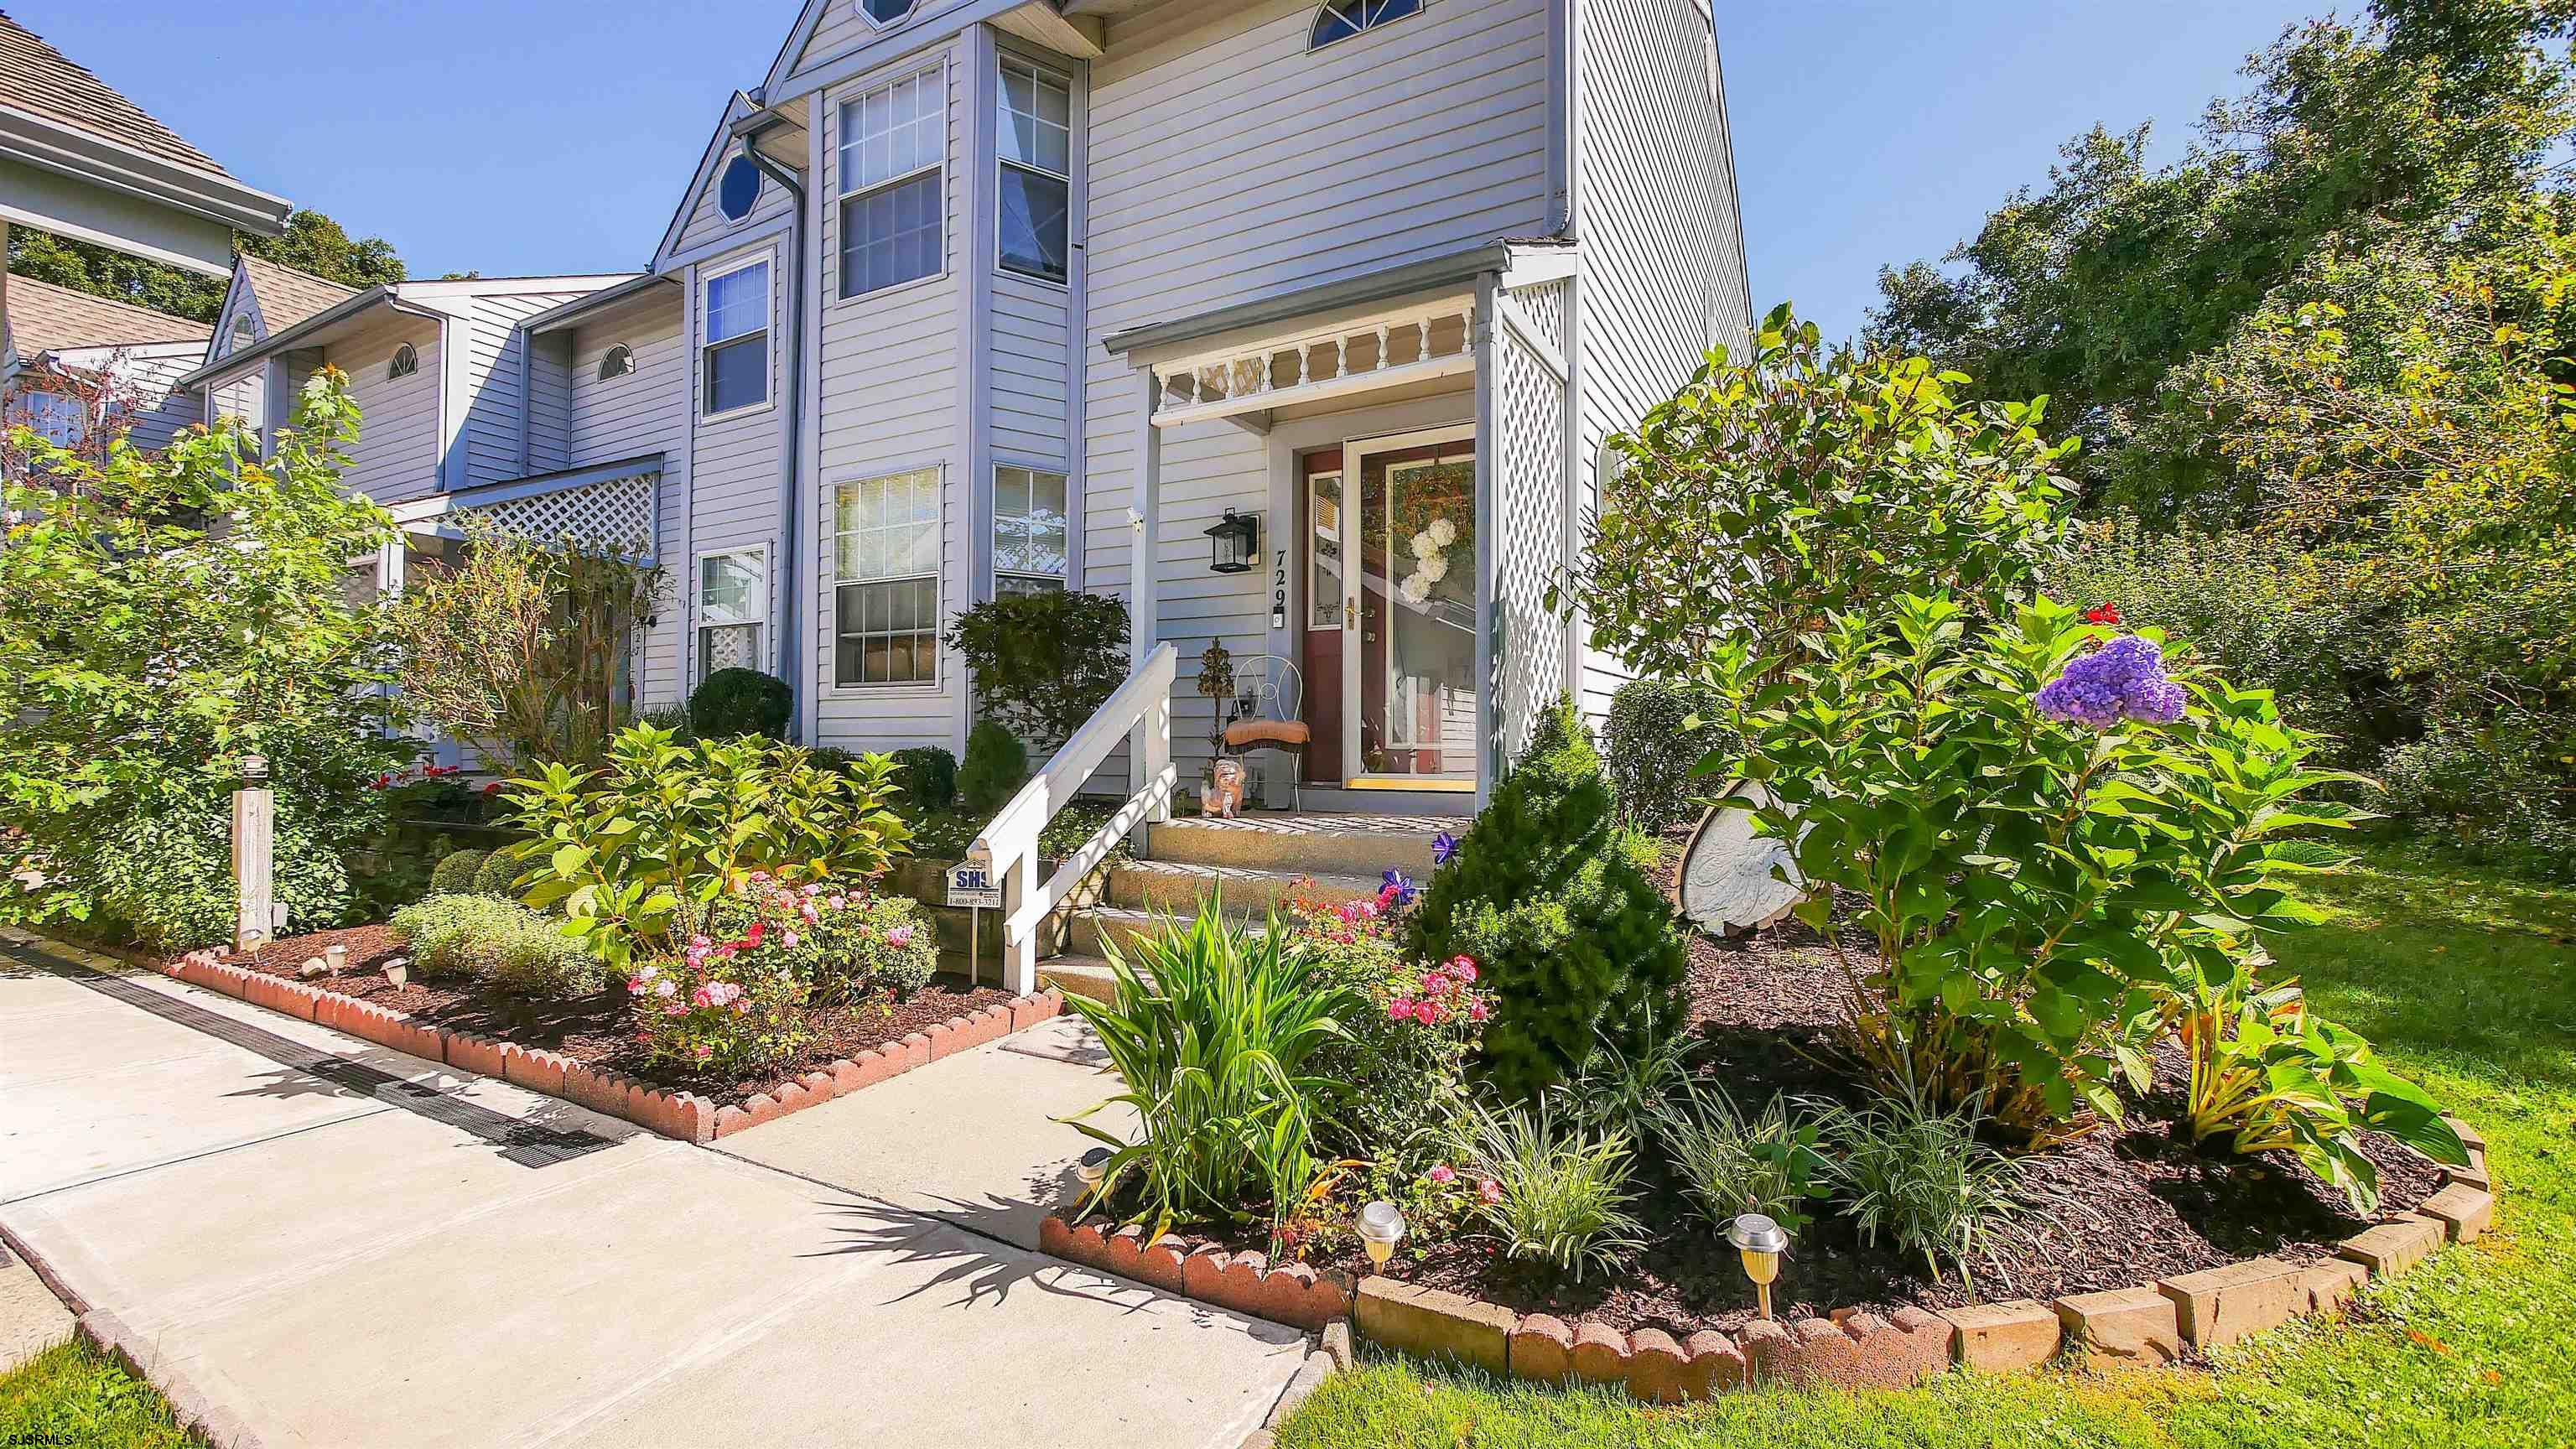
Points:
[[1409, 653]]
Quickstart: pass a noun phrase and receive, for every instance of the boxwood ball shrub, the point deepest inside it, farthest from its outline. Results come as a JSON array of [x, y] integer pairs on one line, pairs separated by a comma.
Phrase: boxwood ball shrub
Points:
[[454, 873], [928, 776], [1650, 747], [997, 764], [501, 943], [740, 702], [498, 873], [1558, 906]]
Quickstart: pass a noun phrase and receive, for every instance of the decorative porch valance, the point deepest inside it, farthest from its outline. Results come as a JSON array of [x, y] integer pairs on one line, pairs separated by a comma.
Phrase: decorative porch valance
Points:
[[1414, 342]]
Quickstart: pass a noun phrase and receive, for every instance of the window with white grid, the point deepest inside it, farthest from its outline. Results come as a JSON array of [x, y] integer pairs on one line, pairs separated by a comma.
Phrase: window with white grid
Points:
[[733, 610], [885, 595], [1028, 529], [894, 147], [1036, 142]]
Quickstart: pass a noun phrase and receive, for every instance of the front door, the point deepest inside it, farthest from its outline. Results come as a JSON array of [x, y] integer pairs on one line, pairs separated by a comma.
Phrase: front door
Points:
[[1329, 599], [1409, 677]]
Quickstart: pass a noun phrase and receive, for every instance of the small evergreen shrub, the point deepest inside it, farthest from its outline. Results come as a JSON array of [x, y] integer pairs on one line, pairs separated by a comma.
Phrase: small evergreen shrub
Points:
[[454, 873], [532, 957], [454, 935], [997, 764], [1558, 906], [740, 702], [498, 873], [928, 775], [1650, 751]]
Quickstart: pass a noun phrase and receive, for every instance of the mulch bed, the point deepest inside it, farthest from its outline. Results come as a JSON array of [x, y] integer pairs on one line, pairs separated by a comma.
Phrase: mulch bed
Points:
[[595, 1030], [2118, 1207]]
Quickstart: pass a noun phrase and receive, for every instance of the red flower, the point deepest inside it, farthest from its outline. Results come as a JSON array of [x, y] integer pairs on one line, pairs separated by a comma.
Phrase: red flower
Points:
[[2102, 614], [492, 787], [752, 936]]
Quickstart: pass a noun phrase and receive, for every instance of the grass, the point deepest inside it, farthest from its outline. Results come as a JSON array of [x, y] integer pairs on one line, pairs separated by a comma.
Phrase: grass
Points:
[[2465, 979], [71, 1394]]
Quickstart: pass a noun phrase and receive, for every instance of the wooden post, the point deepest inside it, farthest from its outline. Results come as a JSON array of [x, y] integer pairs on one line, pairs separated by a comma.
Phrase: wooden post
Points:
[[254, 864]]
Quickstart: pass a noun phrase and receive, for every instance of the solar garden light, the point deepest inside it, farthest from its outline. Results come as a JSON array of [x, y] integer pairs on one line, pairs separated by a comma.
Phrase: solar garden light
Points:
[[1091, 1167], [1381, 1228], [1761, 1242]]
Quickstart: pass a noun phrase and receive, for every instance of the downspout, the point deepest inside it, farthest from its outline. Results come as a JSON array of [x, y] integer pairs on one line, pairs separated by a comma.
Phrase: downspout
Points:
[[791, 614]]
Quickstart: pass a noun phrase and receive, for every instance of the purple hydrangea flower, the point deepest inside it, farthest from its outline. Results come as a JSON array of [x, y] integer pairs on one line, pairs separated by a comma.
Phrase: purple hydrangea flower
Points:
[[2124, 679], [1443, 846], [1399, 888]]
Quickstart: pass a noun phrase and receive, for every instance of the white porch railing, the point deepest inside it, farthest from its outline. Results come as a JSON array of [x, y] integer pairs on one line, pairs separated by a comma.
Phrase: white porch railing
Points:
[[1139, 714], [1414, 343]]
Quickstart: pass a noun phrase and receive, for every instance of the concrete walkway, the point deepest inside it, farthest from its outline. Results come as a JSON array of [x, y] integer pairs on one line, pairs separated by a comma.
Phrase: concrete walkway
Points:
[[321, 1242]]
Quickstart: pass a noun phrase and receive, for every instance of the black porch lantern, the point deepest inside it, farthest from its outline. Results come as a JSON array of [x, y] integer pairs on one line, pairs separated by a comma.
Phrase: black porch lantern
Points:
[[1233, 542]]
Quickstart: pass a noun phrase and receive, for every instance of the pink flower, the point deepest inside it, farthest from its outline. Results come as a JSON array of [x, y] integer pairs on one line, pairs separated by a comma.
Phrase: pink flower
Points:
[[900, 937], [674, 1008], [1490, 1190], [1400, 1008], [752, 936], [1464, 970], [840, 903], [705, 1051], [701, 942], [788, 939], [1434, 984], [666, 987], [1427, 1012], [634, 985], [1476, 1011], [741, 1007], [813, 888], [703, 996], [1442, 1173]]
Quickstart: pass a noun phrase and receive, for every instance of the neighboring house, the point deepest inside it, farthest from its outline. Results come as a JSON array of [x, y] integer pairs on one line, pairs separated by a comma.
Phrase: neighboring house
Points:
[[970, 296], [86, 363], [80, 160]]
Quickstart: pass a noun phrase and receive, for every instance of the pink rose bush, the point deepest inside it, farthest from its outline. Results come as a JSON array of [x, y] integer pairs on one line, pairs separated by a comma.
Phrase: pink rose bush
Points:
[[1406, 1056]]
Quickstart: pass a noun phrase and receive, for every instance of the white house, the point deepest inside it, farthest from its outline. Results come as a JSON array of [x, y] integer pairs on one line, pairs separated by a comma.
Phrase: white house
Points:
[[968, 296]]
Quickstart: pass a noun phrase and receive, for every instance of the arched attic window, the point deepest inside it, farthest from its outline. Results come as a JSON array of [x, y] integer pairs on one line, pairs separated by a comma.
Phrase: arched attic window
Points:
[[245, 332], [406, 362], [618, 361], [1342, 19]]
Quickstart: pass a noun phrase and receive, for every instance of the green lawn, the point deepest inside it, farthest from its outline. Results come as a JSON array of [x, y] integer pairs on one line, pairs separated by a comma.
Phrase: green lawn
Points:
[[2463, 978], [72, 1396]]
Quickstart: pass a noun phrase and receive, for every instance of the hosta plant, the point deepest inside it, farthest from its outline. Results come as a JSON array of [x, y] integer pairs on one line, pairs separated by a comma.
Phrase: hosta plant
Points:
[[2040, 831], [2269, 1075], [1215, 1028]]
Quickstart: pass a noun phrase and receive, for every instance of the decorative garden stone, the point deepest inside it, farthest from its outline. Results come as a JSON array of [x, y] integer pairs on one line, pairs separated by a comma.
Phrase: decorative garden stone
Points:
[[1728, 879]]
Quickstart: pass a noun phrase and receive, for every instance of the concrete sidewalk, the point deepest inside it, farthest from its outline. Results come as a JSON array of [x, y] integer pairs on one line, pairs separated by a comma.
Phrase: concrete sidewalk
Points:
[[328, 1243]]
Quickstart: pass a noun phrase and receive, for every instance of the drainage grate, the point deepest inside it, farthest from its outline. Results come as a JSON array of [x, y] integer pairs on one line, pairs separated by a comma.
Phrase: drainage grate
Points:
[[526, 1143]]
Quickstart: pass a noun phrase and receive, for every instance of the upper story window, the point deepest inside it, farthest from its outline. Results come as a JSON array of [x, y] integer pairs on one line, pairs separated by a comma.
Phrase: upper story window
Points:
[[617, 361], [894, 151], [1037, 170], [1342, 19], [58, 418], [738, 189], [245, 332], [734, 352], [887, 12], [406, 362]]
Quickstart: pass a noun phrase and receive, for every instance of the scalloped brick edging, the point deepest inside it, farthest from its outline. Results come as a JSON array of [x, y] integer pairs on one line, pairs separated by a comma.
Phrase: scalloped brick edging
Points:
[[1292, 1293], [2150, 1324], [684, 1115]]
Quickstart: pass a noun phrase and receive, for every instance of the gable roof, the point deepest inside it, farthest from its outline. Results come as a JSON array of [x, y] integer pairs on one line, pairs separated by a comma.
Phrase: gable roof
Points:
[[46, 318], [43, 81], [287, 296]]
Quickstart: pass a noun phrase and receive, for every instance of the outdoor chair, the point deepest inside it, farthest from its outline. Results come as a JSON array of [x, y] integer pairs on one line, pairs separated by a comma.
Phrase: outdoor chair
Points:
[[1273, 693]]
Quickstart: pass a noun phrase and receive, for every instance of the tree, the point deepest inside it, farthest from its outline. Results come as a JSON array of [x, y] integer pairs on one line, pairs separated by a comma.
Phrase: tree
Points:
[[1044, 661], [2435, 115], [1767, 495], [144, 651], [312, 242]]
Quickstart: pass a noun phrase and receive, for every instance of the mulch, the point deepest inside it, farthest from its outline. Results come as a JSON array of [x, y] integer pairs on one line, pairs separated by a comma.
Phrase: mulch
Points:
[[595, 1030], [2120, 1206]]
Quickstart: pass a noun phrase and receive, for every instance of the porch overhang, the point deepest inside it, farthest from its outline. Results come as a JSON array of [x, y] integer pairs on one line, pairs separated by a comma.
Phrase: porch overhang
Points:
[[610, 504]]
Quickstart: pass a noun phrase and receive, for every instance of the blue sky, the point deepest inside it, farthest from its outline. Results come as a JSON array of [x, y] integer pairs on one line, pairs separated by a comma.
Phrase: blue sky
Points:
[[546, 136]]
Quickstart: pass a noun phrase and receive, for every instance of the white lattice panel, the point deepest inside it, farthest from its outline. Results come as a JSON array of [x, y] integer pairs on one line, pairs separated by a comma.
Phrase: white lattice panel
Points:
[[617, 513], [1542, 310], [1529, 536]]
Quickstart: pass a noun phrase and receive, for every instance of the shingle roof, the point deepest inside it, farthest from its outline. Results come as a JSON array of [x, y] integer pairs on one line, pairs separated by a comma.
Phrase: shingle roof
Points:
[[287, 296], [47, 318], [36, 77]]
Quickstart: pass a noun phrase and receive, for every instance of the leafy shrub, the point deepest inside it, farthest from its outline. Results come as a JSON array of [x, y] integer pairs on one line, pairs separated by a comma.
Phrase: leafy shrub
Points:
[[630, 851], [1044, 661], [454, 874], [2270, 1075], [1402, 1058], [726, 1006], [1734, 1164], [1556, 904], [1769, 494], [1649, 747], [521, 646], [740, 702], [1908, 1169], [498, 875], [2499, 790], [1558, 1196], [997, 765], [537, 960], [927, 776], [671, 717], [840, 940], [142, 657], [1219, 1056], [452, 935], [2039, 832]]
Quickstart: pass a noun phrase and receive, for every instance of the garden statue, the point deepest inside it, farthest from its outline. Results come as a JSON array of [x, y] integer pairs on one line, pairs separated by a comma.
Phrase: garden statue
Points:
[[1224, 797], [1732, 881]]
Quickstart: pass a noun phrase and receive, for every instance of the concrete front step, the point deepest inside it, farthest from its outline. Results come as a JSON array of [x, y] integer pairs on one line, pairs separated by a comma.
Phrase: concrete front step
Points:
[[1084, 976], [1305, 843], [1179, 886], [1087, 932]]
